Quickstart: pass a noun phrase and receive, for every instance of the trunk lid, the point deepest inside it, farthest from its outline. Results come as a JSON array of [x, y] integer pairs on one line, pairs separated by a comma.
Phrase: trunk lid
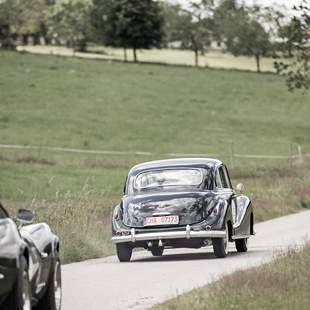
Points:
[[188, 206]]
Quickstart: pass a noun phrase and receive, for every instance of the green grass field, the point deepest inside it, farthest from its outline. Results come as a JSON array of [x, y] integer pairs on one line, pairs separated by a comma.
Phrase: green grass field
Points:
[[92, 104], [281, 285]]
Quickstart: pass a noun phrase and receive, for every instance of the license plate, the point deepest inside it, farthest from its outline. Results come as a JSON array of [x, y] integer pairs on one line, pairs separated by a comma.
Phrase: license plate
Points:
[[161, 220]]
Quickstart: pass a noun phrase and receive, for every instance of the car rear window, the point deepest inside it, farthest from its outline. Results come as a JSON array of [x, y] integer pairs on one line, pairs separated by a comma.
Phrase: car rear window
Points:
[[168, 177]]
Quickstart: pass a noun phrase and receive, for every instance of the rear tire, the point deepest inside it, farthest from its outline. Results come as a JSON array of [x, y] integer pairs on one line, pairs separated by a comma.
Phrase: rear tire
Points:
[[241, 245], [157, 251], [220, 245], [51, 299], [124, 252], [20, 297]]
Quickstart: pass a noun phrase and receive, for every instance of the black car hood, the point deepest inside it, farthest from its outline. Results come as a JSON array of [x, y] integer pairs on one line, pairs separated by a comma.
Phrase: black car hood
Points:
[[191, 207]]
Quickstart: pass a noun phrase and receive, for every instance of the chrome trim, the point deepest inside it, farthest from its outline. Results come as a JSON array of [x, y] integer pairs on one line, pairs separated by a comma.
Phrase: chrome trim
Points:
[[26, 293], [185, 234], [226, 239], [44, 255], [39, 287], [133, 235], [57, 285], [240, 237], [188, 232], [161, 213]]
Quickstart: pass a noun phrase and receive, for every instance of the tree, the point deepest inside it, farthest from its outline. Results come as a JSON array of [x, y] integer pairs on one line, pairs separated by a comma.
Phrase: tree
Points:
[[286, 33], [224, 16], [275, 21], [22, 18], [242, 32], [5, 36], [297, 72], [191, 26], [99, 14], [69, 21], [173, 17], [130, 23]]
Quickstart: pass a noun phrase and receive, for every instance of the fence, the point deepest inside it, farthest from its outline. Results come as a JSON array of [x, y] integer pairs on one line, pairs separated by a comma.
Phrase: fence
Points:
[[295, 153]]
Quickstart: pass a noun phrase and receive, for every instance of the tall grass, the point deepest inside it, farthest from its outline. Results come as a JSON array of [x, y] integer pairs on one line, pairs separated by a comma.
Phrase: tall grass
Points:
[[283, 284], [81, 220]]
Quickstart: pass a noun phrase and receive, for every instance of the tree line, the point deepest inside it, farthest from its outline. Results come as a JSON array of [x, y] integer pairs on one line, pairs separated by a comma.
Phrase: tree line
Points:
[[134, 24]]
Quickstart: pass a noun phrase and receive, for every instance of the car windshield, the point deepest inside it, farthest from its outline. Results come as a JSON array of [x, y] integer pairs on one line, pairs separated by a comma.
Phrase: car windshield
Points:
[[168, 177]]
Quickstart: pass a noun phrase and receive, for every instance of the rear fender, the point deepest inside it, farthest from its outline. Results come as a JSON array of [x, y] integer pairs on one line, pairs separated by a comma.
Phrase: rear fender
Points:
[[244, 213]]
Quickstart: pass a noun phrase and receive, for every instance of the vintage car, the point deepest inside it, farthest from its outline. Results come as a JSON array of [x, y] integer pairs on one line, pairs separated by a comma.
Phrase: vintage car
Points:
[[30, 272], [181, 203]]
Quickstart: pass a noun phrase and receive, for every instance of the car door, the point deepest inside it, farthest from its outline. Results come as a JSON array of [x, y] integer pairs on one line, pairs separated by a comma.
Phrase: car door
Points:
[[224, 188], [234, 208]]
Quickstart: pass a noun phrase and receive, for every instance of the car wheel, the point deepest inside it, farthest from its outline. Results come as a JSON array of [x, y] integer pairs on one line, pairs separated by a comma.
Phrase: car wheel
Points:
[[241, 245], [157, 251], [124, 252], [51, 300], [20, 297], [220, 245]]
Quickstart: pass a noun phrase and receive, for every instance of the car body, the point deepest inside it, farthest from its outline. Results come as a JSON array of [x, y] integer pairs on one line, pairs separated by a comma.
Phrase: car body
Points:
[[30, 271], [176, 203]]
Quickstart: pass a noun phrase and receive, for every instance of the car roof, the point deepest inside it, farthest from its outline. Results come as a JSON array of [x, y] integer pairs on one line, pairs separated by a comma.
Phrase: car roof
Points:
[[176, 162]]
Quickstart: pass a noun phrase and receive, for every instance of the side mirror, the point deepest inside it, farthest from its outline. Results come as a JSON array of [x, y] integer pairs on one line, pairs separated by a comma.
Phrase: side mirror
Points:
[[24, 216], [240, 188]]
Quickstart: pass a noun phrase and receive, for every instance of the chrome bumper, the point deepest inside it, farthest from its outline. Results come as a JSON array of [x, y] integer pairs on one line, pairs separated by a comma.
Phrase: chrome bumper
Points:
[[186, 234]]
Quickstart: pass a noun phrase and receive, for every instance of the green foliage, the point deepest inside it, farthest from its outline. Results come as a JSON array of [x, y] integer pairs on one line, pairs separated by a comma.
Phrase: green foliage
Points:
[[69, 21], [21, 18], [242, 32], [287, 33], [191, 27], [99, 15], [297, 72], [174, 19], [129, 23]]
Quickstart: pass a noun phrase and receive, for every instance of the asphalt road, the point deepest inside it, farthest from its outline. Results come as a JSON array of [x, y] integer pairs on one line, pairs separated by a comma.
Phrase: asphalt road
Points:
[[104, 284]]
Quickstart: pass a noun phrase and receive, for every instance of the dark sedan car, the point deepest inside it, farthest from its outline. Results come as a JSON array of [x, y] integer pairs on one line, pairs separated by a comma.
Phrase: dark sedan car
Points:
[[181, 203], [30, 273]]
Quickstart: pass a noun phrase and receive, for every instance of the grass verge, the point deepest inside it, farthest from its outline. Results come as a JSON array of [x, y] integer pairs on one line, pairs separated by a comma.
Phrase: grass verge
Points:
[[282, 284]]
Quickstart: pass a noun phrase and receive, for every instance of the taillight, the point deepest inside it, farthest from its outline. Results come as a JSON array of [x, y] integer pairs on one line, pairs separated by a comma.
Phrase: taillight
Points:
[[216, 210]]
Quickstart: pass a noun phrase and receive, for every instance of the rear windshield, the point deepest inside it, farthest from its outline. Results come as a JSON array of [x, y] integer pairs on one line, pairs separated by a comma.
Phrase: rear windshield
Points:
[[168, 177]]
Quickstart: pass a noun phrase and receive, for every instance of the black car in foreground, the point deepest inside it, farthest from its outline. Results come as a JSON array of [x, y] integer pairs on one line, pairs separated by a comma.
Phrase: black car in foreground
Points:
[[30, 272], [181, 203]]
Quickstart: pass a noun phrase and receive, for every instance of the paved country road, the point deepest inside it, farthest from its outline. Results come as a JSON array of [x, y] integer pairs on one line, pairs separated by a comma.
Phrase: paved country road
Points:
[[106, 284]]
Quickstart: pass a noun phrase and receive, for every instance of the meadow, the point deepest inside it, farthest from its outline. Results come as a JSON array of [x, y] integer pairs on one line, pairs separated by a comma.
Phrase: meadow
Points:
[[93, 104]]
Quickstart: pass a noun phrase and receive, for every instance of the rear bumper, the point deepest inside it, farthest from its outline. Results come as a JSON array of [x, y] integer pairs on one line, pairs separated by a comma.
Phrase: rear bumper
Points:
[[185, 234]]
